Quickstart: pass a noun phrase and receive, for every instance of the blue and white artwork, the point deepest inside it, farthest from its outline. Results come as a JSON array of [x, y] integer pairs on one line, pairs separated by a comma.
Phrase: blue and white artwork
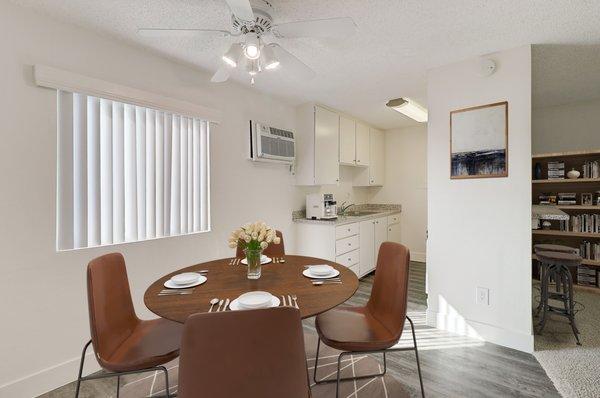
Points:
[[479, 141]]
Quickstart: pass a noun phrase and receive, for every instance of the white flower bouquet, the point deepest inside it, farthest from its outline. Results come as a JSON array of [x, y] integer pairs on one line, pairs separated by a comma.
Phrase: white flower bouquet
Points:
[[255, 236]]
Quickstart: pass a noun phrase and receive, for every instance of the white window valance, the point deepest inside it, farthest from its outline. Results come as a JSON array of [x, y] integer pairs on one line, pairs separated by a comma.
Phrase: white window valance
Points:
[[59, 79]]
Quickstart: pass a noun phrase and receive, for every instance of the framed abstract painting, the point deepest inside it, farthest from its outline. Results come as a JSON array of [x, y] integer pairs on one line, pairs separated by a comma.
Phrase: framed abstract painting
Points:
[[479, 141]]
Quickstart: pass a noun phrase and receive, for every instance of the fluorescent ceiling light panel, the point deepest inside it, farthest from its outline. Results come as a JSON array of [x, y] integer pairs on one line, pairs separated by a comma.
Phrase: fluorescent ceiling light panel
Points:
[[408, 107]]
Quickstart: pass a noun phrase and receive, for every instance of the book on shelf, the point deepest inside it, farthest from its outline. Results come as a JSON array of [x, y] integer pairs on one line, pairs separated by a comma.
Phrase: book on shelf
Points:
[[587, 223], [591, 169], [556, 170]]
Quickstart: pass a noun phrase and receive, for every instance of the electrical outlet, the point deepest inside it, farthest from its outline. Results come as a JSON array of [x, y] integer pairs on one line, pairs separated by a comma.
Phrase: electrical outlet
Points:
[[482, 296]]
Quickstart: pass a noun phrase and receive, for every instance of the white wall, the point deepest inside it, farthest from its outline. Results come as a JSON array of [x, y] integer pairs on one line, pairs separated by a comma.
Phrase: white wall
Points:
[[479, 229], [569, 127], [42, 300], [406, 184]]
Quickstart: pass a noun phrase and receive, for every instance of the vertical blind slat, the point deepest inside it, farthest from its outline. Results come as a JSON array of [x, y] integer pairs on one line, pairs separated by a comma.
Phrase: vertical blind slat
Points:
[[93, 167], [128, 173], [190, 177], [106, 173], [118, 173], [159, 153], [196, 175], [65, 227], [175, 176], [140, 156], [79, 170], [183, 174]]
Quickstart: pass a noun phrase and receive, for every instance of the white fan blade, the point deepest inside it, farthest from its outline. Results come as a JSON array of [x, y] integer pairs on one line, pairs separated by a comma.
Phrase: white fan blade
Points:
[[241, 9], [290, 62], [159, 32], [221, 75], [338, 28]]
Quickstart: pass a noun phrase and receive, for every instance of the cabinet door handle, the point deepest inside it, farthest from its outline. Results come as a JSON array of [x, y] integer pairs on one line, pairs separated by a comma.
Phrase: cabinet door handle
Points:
[[349, 244]]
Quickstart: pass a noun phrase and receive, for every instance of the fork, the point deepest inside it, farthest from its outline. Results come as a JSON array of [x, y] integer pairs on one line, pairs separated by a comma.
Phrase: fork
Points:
[[295, 298]]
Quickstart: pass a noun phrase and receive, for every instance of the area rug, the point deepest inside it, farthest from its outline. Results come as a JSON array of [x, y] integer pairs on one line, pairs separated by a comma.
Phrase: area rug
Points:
[[152, 384], [574, 370]]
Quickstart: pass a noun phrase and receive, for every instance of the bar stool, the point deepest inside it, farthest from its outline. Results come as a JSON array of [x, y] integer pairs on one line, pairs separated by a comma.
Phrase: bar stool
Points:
[[558, 264], [545, 247]]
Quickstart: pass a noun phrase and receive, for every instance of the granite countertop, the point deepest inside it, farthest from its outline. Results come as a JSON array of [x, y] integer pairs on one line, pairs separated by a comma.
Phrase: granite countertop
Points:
[[378, 211]]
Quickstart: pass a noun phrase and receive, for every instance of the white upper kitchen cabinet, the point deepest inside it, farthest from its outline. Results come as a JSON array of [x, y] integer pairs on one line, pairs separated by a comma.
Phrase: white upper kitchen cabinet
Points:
[[362, 144], [347, 141], [373, 175], [317, 143]]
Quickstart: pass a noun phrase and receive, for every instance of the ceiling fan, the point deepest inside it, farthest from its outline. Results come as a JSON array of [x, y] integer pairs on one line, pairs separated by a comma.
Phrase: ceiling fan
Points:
[[255, 48]]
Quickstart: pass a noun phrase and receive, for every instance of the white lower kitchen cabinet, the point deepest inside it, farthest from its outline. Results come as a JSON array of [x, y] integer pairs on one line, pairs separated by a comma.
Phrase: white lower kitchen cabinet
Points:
[[372, 234], [354, 245], [394, 233]]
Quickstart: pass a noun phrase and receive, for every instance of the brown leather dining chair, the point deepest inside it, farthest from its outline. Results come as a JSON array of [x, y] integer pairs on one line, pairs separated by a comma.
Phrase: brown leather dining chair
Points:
[[244, 354], [377, 327], [123, 343], [271, 250]]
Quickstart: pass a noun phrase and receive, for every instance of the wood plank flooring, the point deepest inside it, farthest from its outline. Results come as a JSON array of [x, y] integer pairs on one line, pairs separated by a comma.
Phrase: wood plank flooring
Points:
[[452, 366]]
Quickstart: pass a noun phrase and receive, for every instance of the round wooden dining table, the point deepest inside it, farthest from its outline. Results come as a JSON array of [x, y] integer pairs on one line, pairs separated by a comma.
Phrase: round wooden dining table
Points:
[[225, 281]]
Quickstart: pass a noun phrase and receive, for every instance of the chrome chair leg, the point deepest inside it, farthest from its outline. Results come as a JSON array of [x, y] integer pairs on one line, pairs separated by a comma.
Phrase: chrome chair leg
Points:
[[339, 363], [412, 327], [81, 368], [81, 378]]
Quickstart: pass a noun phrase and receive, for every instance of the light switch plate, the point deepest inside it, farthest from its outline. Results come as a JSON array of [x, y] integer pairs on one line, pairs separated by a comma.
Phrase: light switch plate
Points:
[[482, 296]]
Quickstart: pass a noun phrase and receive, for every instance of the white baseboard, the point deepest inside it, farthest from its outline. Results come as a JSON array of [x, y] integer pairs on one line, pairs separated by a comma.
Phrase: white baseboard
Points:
[[419, 257], [490, 333], [50, 378]]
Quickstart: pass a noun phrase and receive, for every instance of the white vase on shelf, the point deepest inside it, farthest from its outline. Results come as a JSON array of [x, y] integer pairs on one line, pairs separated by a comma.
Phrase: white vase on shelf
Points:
[[573, 174]]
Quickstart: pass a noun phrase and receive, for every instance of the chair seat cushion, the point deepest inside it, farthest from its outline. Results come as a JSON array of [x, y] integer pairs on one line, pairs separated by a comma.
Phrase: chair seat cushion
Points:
[[152, 343], [353, 329]]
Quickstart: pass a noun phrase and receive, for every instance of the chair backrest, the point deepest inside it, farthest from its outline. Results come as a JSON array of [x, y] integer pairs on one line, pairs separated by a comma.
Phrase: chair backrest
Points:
[[250, 354], [390, 288], [112, 316], [271, 250]]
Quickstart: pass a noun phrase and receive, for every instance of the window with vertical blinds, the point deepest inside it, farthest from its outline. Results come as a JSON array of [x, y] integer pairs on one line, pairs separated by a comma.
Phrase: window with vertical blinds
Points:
[[128, 173]]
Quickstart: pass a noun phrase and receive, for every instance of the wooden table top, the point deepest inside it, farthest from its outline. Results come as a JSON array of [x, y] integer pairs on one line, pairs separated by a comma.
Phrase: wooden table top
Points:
[[229, 281]]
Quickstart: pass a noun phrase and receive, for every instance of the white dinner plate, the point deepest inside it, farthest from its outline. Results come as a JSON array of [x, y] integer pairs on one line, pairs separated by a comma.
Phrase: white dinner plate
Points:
[[235, 305], [308, 274], [255, 299], [169, 284], [262, 261], [185, 278], [322, 270]]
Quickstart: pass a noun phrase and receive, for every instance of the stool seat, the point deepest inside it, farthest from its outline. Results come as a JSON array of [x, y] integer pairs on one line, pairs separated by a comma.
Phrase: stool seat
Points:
[[559, 258], [545, 247]]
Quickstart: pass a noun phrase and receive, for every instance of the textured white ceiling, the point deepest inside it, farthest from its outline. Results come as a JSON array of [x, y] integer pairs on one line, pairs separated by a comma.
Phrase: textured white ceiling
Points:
[[397, 41]]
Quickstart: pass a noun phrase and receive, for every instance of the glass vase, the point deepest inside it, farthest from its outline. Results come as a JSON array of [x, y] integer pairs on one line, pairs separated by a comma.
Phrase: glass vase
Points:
[[253, 258]]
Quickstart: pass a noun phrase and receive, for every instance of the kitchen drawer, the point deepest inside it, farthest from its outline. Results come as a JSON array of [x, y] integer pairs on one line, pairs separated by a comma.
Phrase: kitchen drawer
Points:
[[394, 219], [348, 259], [354, 268], [346, 245], [343, 231]]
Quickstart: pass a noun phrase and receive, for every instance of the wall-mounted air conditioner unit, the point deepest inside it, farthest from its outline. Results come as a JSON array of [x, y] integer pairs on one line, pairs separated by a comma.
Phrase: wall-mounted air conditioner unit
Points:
[[271, 144]]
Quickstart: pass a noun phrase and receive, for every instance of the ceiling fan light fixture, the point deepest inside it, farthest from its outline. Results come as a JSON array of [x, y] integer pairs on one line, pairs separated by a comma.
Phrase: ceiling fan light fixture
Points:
[[232, 55], [268, 58], [252, 67], [410, 108], [252, 46]]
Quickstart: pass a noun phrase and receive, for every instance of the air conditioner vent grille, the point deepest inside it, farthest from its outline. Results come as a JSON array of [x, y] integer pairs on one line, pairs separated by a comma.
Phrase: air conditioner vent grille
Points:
[[275, 146]]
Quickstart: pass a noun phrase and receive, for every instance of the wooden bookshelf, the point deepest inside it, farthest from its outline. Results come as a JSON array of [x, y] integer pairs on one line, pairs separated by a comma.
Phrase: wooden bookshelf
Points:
[[568, 154], [572, 160], [578, 207], [568, 181], [567, 234]]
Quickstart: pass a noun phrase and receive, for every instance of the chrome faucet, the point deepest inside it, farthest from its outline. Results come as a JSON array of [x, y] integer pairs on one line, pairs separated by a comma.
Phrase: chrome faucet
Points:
[[342, 209]]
